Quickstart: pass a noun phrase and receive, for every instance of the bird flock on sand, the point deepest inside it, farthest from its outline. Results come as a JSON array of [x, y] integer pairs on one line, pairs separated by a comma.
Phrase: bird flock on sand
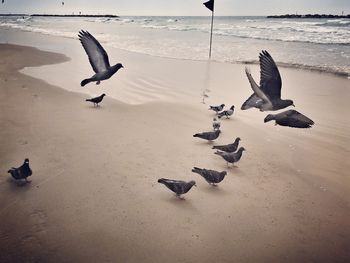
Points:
[[265, 97], [227, 152]]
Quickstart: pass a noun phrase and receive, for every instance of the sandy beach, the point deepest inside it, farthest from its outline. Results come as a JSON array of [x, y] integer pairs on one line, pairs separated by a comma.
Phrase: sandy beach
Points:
[[94, 195]]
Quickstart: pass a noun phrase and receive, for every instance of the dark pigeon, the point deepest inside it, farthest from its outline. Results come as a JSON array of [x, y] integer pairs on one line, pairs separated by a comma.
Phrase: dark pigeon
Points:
[[227, 113], [216, 124], [21, 172], [209, 136], [211, 176], [98, 59], [96, 100], [231, 157], [177, 186], [267, 97], [290, 118], [230, 148], [217, 108]]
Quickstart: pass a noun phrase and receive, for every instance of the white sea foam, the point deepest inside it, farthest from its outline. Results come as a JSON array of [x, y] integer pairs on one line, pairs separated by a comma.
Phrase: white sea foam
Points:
[[313, 43]]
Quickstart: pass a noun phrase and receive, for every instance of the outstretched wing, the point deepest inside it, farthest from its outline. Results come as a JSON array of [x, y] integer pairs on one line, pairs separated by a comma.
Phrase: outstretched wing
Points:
[[293, 118], [257, 90], [270, 78], [300, 117], [252, 101], [97, 55]]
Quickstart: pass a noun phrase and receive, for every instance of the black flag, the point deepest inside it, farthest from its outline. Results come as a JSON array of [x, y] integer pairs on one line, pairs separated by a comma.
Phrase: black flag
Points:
[[209, 5]]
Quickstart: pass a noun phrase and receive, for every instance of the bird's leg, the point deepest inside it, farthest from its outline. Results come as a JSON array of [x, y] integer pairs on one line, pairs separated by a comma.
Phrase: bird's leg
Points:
[[98, 82]]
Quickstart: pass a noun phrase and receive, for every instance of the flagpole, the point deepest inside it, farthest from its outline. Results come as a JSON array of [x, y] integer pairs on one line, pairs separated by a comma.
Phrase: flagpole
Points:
[[211, 32]]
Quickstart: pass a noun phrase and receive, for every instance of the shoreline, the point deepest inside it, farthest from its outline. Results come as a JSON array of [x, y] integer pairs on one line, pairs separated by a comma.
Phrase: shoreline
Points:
[[340, 70], [94, 193]]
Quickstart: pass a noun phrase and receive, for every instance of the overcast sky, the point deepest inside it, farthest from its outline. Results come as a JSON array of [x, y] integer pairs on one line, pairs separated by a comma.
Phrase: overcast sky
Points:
[[176, 7]]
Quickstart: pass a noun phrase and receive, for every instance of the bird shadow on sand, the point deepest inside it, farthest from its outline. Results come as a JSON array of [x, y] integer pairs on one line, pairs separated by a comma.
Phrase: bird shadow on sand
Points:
[[18, 185], [94, 107], [184, 203], [217, 190]]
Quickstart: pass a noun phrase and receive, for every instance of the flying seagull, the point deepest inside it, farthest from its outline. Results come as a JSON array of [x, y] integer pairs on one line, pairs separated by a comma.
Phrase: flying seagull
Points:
[[267, 96], [21, 172], [227, 113], [217, 108], [216, 124], [96, 100], [291, 118], [230, 148], [98, 59], [177, 186], [231, 157], [211, 176], [209, 136]]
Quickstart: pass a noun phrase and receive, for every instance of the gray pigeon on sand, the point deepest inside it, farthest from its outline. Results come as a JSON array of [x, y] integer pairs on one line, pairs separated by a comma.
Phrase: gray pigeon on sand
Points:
[[217, 108], [177, 186], [209, 136], [267, 96], [21, 172], [216, 124], [211, 176], [231, 157], [96, 100], [98, 59], [290, 118], [227, 113], [232, 147]]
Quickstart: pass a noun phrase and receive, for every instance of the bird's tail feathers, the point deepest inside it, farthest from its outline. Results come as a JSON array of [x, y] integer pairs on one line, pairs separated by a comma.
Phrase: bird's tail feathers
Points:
[[88, 100], [161, 180], [196, 169], [84, 82], [196, 135]]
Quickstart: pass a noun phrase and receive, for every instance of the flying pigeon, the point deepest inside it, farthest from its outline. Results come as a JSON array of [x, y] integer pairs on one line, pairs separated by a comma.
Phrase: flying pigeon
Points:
[[231, 157], [291, 118], [227, 113], [177, 186], [209, 136], [211, 176], [96, 100], [21, 172], [267, 96], [217, 108], [98, 59], [216, 124], [230, 148]]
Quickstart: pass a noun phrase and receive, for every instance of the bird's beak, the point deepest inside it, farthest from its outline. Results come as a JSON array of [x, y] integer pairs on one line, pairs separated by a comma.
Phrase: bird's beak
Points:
[[195, 185], [293, 105]]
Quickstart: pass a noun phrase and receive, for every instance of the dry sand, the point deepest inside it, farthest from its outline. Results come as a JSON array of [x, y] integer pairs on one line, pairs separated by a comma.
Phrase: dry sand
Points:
[[94, 195]]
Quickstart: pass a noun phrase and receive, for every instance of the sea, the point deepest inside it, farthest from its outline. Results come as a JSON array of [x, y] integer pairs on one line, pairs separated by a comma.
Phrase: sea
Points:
[[316, 44]]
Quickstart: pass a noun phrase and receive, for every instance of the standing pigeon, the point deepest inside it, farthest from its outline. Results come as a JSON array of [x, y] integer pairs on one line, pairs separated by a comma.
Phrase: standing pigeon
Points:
[[21, 172], [227, 113], [177, 186], [267, 97], [209, 136], [216, 124], [217, 108], [230, 148], [98, 59], [231, 157], [96, 100], [291, 118], [211, 176]]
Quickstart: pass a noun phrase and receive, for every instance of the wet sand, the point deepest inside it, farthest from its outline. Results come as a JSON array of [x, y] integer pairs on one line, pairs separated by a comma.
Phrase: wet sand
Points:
[[94, 195]]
